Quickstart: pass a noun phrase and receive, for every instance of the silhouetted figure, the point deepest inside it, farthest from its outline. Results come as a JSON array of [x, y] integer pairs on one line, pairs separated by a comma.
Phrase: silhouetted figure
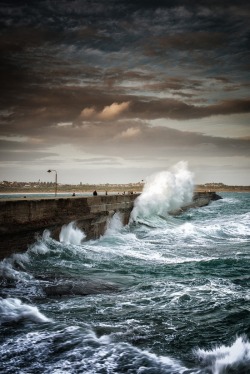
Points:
[[106, 193], [95, 193], [73, 194]]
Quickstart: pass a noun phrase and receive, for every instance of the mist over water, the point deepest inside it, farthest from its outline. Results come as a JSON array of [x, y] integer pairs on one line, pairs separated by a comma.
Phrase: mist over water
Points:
[[161, 295]]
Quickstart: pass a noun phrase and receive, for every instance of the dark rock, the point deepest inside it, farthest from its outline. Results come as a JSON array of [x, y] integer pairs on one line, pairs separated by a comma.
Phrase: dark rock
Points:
[[200, 199]]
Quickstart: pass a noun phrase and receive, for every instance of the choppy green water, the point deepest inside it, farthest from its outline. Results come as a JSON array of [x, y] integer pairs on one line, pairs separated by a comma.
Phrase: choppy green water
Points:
[[172, 297]]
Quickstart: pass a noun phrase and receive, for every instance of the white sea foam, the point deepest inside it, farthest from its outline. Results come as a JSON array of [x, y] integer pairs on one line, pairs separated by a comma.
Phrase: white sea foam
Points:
[[114, 225], [224, 357], [71, 234], [13, 310], [8, 267], [41, 244], [21, 259], [164, 191], [39, 248], [108, 355], [7, 271], [46, 234]]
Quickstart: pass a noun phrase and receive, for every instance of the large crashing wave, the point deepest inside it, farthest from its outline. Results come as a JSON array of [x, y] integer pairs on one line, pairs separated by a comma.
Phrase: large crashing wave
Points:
[[164, 192], [227, 359]]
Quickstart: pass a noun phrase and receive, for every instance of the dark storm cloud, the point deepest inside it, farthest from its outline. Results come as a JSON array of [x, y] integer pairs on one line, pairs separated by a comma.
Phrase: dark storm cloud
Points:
[[46, 110], [134, 138], [195, 40], [174, 109], [23, 150], [7, 145], [98, 161], [63, 59], [20, 156]]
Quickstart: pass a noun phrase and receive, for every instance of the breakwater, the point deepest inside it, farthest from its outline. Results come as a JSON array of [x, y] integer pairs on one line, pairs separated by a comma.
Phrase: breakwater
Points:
[[199, 199], [22, 220]]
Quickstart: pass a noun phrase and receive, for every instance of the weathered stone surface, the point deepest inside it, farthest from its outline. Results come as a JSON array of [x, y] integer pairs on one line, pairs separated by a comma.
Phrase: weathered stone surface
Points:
[[22, 220]]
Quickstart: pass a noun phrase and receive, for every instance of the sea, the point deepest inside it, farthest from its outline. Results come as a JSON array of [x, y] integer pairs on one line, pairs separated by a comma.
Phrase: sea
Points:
[[162, 295]]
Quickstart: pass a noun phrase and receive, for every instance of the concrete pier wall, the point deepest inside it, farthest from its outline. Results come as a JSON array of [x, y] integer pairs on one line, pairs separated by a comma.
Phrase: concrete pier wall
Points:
[[22, 220]]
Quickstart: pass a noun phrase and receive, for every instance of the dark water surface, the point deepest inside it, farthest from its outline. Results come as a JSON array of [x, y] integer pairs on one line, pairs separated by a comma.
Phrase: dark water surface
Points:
[[160, 296]]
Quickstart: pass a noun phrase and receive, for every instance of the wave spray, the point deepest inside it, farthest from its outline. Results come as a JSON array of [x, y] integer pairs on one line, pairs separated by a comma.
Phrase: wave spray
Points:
[[164, 192], [71, 234]]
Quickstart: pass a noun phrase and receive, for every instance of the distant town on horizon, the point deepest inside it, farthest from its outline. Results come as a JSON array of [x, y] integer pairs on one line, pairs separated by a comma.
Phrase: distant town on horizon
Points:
[[8, 186]]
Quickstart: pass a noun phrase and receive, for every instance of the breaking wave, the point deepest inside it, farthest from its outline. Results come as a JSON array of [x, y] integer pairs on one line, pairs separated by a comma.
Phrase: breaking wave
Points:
[[71, 234], [224, 359], [164, 192]]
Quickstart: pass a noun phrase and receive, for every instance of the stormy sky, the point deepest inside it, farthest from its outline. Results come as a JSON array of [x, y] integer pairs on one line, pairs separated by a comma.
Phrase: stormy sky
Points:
[[113, 91]]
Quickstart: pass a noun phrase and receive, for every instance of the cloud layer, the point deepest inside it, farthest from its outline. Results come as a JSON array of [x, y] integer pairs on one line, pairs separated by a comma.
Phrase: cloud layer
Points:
[[84, 80]]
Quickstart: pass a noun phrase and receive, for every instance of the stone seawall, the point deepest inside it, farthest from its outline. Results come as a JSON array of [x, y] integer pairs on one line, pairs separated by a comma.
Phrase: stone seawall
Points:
[[21, 221]]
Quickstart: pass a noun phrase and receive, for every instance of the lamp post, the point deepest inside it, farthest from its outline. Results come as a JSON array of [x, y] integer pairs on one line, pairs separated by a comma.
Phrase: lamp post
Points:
[[49, 171]]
